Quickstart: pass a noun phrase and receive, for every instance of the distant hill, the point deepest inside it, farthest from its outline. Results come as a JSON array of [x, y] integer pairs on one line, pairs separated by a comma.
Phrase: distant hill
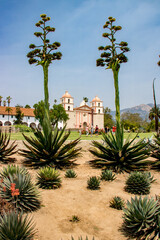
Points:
[[142, 109]]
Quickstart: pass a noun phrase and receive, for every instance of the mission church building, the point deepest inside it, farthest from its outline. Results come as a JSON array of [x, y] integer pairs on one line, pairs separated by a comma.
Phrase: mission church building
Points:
[[79, 117], [83, 116]]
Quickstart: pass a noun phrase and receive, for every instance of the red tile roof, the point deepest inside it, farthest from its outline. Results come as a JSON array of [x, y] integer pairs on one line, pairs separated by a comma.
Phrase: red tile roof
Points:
[[26, 111]]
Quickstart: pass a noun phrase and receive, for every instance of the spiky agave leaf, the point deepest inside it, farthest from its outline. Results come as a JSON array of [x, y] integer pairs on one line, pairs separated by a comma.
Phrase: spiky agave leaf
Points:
[[153, 232], [48, 178], [6, 149], [140, 215], [50, 149], [28, 199], [118, 154], [14, 225]]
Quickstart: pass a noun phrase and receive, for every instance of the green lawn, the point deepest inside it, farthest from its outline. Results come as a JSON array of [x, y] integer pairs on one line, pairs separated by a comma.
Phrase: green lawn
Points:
[[74, 135]]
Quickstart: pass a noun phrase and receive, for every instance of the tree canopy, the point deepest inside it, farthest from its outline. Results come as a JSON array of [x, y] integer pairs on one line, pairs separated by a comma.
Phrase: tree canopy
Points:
[[57, 112]]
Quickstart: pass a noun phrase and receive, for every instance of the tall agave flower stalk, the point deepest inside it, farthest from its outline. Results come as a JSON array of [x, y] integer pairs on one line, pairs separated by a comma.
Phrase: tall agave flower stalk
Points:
[[42, 55], [112, 57]]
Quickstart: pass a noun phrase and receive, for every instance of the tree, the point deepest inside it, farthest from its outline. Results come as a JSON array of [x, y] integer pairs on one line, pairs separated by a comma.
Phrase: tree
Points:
[[8, 100], [4, 103], [112, 56], [9, 110], [108, 120], [131, 121], [1, 100], [27, 106], [39, 111], [19, 116], [56, 113], [42, 55], [85, 99]]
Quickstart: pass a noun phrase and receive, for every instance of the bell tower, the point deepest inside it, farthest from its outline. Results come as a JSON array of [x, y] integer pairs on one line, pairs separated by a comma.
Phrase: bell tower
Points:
[[67, 102], [97, 105]]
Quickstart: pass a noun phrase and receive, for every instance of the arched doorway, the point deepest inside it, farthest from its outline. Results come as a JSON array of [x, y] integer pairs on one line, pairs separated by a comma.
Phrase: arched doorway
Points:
[[84, 125], [33, 125], [1, 124], [7, 123]]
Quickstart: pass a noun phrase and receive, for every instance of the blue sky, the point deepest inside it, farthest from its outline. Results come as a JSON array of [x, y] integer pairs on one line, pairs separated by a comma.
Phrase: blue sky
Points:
[[79, 28]]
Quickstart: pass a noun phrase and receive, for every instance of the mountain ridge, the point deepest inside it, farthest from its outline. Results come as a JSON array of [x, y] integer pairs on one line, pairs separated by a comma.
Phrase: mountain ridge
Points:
[[142, 109]]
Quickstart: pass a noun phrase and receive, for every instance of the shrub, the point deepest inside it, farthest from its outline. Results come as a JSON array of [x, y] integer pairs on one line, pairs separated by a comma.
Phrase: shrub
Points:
[[140, 215], [117, 203], [15, 226], [107, 175], [70, 173], [6, 149], [50, 150], [18, 189], [138, 183], [48, 178], [93, 183], [23, 128], [118, 154]]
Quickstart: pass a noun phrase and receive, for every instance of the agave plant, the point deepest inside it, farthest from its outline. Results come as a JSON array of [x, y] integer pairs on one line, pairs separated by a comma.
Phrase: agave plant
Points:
[[118, 154], [138, 183], [26, 195], [107, 175], [13, 225], [156, 153], [6, 149], [93, 183], [117, 203], [48, 178], [140, 215], [11, 170], [70, 173], [50, 149]]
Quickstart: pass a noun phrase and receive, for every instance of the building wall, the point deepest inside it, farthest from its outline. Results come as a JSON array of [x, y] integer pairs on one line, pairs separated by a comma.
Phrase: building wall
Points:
[[71, 123], [98, 119]]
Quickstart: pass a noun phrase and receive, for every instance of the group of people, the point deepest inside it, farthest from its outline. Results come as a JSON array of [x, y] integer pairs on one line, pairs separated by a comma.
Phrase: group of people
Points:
[[90, 130]]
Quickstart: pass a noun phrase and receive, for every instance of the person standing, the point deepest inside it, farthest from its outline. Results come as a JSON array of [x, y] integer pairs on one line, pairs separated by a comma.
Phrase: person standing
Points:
[[92, 130], [87, 131]]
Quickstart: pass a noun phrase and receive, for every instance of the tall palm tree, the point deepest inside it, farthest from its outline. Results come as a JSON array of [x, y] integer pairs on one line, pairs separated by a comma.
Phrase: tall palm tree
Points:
[[8, 100], [9, 110], [156, 111], [1, 100], [4, 103]]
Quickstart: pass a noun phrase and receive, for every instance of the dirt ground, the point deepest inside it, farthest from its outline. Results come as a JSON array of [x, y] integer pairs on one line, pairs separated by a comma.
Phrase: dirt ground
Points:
[[92, 207]]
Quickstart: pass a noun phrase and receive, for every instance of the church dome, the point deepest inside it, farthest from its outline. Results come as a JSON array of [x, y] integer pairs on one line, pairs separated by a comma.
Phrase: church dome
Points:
[[96, 99], [66, 95]]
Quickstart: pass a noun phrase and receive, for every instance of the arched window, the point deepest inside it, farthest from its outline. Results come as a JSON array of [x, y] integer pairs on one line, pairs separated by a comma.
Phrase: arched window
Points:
[[98, 104], [68, 100], [68, 108]]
